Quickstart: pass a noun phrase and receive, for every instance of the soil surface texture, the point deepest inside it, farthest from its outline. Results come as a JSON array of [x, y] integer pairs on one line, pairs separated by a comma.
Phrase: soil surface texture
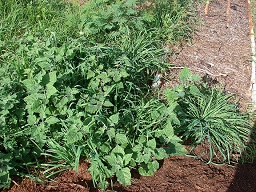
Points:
[[220, 54], [220, 51]]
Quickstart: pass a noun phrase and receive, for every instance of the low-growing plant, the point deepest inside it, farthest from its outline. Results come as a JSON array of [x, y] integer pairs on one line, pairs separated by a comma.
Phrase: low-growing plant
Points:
[[208, 117]]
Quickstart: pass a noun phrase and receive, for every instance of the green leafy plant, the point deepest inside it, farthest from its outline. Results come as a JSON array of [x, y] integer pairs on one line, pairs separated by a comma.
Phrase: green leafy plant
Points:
[[209, 118], [75, 83]]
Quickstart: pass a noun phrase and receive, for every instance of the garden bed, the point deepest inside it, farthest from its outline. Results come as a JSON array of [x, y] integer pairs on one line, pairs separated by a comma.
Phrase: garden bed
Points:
[[221, 56]]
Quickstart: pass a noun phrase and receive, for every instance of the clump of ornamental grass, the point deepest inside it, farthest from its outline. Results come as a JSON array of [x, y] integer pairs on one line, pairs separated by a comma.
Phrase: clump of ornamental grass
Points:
[[209, 118]]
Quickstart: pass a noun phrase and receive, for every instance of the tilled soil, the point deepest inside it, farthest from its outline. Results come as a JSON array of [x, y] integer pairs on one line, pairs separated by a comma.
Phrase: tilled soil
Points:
[[177, 174], [221, 55]]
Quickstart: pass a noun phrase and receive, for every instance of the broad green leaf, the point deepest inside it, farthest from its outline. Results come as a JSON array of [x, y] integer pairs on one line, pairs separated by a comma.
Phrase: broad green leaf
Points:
[[111, 133], [103, 185], [124, 73], [185, 74], [116, 77], [105, 148], [175, 148], [100, 130], [43, 63], [70, 53], [111, 159], [5, 179], [132, 163], [194, 90], [180, 91], [49, 78], [73, 135], [62, 102], [160, 154], [39, 134], [152, 144], [119, 161], [127, 158], [149, 169], [153, 166], [171, 96], [142, 139], [137, 148], [50, 90], [168, 130], [103, 76], [138, 157], [114, 118], [32, 119], [146, 157], [124, 176], [120, 85], [90, 74], [121, 139], [52, 77], [118, 150], [92, 108], [33, 101], [107, 103], [173, 117], [29, 83], [100, 67], [196, 77], [109, 89], [172, 106], [94, 83], [52, 120]]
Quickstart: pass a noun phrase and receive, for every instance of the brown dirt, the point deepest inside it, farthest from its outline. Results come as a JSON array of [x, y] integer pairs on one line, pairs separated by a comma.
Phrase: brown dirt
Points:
[[177, 174], [218, 53]]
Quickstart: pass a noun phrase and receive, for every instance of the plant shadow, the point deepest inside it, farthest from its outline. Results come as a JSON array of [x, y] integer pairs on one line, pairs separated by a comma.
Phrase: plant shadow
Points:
[[245, 175]]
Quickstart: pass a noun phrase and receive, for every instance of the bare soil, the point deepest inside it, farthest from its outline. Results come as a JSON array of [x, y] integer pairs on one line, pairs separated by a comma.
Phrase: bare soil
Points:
[[177, 174], [217, 53]]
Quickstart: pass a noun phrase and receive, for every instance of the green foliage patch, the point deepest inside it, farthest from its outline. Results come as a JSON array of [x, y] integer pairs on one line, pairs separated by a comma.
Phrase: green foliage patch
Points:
[[75, 82]]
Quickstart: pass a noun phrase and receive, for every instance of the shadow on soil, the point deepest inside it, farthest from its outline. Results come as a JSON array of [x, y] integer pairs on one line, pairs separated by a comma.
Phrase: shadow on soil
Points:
[[245, 176]]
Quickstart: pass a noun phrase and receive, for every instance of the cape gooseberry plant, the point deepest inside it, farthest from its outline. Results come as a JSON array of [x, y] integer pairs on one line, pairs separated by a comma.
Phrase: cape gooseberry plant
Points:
[[85, 99], [208, 117]]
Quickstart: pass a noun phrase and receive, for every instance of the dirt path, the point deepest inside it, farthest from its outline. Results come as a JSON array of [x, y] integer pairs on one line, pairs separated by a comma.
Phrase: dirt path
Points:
[[218, 53]]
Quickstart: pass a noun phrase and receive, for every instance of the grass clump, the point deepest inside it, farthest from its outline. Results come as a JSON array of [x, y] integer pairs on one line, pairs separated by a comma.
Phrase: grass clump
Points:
[[208, 118]]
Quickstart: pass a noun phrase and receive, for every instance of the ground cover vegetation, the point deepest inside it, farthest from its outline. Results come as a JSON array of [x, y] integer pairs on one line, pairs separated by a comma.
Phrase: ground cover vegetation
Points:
[[76, 83]]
